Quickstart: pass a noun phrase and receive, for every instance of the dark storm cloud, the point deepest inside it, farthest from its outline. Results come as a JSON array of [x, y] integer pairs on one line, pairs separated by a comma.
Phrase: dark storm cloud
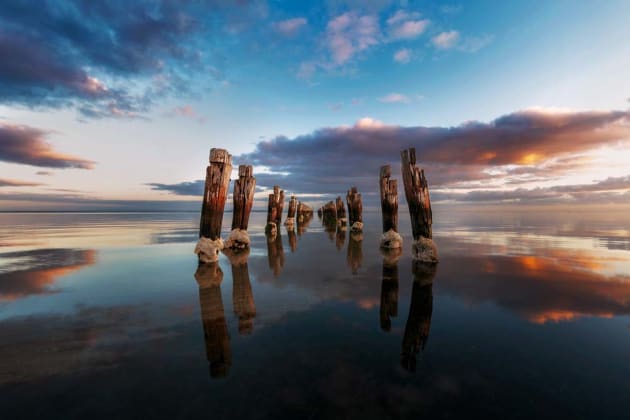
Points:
[[55, 52], [27, 145]]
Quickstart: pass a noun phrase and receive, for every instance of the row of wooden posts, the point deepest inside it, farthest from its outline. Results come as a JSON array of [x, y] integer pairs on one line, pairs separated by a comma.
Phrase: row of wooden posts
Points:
[[216, 192]]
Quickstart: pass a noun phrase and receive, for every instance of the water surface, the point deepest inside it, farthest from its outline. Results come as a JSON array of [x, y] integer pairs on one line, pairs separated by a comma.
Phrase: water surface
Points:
[[108, 315]]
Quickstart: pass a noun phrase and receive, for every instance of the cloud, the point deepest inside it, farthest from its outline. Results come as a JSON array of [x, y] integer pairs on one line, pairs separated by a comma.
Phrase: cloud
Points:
[[4, 182], [186, 111], [26, 145], [403, 55], [529, 139], [475, 43], [107, 59], [445, 40], [395, 98], [290, 27], [44, 173], [194, 188], [406, 25], [349, 34]]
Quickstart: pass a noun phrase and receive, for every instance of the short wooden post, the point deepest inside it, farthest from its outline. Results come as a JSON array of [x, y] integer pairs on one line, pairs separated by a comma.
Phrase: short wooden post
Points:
[[304, 212], [218, 352], [293, 204], [213, 204], [274, 209], [389, 207], [420, 311], [243, 197], [417, 195], [341, 212], [329, 219], [355, 210]]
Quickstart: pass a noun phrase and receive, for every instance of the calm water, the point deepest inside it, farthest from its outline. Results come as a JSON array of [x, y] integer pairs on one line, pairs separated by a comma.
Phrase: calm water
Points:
[[107, 315]]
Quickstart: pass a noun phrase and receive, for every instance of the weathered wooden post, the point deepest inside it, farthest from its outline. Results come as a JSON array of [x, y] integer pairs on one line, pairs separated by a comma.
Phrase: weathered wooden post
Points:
[[243, 197], [329, 219], [389, 206], [417, 194], [420, 311], [274, 210], [355, 210], [304, 211], [341, 212], [304, 220], [214, 196], [209, 277], [242, 296], [290, 222], [389, 287]]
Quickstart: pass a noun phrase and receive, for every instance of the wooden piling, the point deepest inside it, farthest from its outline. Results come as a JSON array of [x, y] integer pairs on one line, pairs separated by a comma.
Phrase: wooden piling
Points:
[[244, 188], [389, 207], [274, 207], [215, 193], [291, 213], [304, 211], [419, 202], [341, 212], [355, 209]]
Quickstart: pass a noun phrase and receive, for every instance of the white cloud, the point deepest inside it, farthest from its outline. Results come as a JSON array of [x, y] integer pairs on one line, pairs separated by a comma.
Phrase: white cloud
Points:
[[402, 56], [395, 98], [406, 25], [349, 34], [289, 27], [475, 43], [446, 40]]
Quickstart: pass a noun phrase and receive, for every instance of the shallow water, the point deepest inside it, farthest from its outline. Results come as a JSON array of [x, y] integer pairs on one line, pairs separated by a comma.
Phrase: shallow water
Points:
[[107, 315]]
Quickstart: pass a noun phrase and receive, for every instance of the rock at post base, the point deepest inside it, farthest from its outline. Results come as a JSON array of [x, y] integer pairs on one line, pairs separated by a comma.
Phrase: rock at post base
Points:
[[357, 227], [391, 239], [271, 229], [208, 250], [425, 250], [238, 239], [290, 222]]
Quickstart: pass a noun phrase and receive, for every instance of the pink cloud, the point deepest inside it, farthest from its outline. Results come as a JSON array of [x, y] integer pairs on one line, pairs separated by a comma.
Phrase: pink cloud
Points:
[[289, 27]]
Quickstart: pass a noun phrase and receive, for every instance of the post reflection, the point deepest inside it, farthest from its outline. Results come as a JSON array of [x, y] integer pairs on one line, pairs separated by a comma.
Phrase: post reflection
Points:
[[242, 296], [354, 257], [419, 319], [215, 331], [389, 287], [292, 239], [340, 237], [330, 227], [275, 253]]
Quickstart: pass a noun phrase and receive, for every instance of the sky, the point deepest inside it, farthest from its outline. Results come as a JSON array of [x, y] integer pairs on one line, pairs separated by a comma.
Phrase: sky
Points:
[[115, 105]]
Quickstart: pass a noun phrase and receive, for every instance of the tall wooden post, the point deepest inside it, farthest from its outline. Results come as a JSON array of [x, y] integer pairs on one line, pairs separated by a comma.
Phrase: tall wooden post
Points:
[[389, 207], [243, 197], [213, 204], [417, 194], [355, 210], [215, 193]]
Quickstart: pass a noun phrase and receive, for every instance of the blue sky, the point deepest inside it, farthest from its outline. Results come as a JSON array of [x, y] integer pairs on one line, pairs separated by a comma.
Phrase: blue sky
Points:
[[121, 102]]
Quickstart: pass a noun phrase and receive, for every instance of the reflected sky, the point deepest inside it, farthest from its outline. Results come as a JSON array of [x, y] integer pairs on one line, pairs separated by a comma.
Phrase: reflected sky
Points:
[[316, 320]]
